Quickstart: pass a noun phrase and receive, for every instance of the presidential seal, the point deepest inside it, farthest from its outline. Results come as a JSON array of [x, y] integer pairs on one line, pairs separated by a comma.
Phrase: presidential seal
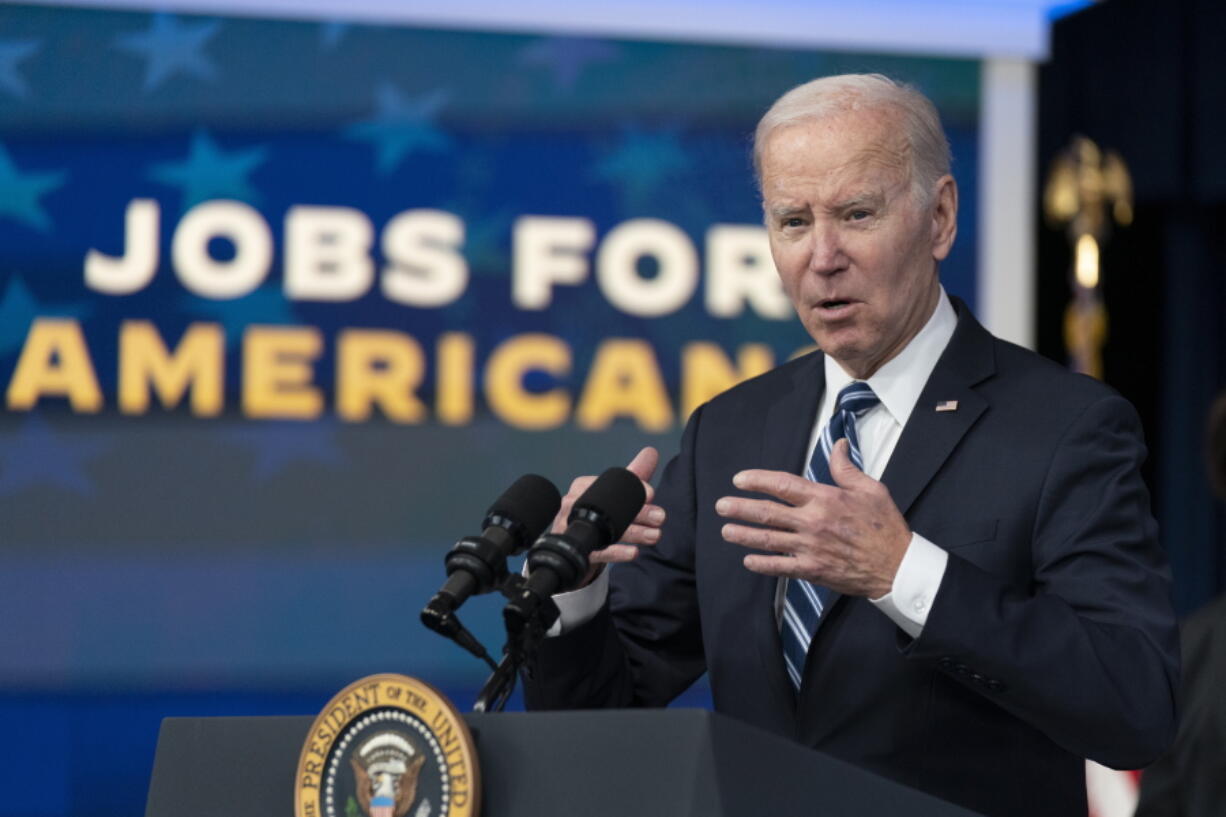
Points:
[[388, 746]]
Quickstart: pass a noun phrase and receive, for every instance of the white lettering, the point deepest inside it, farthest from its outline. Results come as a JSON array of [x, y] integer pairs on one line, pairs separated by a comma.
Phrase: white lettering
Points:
[[327, 253], [548, 250], [617, 267], [425, 266], [134, 270], [740, 271], [203, 274]]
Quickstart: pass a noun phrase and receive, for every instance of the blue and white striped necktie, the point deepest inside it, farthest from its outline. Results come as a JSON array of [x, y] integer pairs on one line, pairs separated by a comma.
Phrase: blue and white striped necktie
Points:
[[804, 602]]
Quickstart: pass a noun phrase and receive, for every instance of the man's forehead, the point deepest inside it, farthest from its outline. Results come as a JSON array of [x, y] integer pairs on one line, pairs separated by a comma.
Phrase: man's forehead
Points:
[[871, 136], [867, 177]]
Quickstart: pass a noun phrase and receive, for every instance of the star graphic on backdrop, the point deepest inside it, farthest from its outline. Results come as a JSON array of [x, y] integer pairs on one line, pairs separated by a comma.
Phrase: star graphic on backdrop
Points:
[[18, 309], [400, 126], [568, 57], [279, 445], [331, 32], [172, 47], [20, 193], [211, 173], [35, 455], [12, 52], [643, 161], [265, 306]]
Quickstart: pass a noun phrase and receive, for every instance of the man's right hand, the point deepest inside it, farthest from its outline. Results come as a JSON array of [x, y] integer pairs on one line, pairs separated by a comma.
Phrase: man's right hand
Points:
[[644, 531]]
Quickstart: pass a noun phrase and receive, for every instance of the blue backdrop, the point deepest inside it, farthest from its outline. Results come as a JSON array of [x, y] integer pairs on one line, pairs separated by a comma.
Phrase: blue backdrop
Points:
[[285, 305]]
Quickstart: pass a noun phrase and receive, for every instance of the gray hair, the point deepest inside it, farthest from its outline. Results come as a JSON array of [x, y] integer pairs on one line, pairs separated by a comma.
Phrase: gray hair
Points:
[[928, 149]]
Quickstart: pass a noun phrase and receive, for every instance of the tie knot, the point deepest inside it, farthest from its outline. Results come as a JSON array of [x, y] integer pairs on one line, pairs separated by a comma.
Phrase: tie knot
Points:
[[857, 397]]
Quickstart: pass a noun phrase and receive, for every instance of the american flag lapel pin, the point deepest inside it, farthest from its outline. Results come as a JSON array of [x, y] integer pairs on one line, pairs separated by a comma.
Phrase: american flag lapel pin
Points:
[[947, 405]]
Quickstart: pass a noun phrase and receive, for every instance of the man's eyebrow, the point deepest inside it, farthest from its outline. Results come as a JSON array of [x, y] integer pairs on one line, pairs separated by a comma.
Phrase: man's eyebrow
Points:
[[865, 199], [784, 210]]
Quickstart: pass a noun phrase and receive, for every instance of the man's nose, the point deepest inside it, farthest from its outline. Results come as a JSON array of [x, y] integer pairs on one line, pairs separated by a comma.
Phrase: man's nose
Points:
[[826, 254]]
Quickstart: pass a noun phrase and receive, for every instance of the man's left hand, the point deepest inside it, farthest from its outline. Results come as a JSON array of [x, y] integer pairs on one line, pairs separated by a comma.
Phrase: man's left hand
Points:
[[849, 536]]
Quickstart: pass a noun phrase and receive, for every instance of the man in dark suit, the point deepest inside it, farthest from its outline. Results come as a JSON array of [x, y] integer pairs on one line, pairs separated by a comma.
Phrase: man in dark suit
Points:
[[989, 602]]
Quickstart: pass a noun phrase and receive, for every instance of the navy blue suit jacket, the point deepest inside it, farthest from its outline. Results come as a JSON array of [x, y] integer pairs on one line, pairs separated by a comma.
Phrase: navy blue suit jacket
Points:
[[1051, 639]]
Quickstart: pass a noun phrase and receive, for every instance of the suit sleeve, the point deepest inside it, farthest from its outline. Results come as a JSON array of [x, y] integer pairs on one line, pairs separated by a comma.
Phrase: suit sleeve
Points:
[[1088, 653], [644, 648]]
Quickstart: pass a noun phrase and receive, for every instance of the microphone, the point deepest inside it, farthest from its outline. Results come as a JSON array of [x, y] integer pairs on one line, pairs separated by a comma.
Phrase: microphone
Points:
[[559, 561], [477, 564]]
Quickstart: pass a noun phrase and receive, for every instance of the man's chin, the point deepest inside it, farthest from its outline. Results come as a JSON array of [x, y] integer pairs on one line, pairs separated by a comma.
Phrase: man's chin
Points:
[[851, 356], [842, 346]]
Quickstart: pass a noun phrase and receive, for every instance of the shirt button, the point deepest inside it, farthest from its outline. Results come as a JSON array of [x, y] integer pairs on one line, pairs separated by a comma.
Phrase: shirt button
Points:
[[919, 605]]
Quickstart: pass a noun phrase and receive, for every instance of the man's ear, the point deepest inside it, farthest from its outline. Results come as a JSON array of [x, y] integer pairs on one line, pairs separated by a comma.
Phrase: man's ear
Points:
[[944, 217]]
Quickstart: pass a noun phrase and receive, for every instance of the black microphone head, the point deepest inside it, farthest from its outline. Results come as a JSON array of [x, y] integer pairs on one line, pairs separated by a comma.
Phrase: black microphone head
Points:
[[525, 509], [618, 494]]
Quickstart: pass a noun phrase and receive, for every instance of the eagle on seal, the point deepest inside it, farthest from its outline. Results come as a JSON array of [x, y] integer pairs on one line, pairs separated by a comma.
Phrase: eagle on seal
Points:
[[385, 770]]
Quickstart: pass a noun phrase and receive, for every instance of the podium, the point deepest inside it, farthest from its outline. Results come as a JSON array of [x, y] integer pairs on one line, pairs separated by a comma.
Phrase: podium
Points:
[[647, 763]]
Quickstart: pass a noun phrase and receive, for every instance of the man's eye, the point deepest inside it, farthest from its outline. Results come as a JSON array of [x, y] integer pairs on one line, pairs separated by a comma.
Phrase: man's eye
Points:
[[859, 215], [793, 221]]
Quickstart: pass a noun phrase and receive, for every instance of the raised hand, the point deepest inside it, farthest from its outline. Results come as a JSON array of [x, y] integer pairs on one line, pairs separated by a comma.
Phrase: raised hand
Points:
[[849, 536], [644, 531]]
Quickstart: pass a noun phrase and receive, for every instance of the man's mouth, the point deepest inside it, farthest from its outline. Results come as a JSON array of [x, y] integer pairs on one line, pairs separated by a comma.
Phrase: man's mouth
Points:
[[834, 305]]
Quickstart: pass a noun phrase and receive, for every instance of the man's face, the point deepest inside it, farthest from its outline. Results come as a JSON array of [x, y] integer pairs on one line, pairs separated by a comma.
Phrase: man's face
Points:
[[856, 252]]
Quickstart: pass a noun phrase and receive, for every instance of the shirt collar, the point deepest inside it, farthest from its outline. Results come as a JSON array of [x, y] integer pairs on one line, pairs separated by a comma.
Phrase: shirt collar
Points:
[[900, 380]]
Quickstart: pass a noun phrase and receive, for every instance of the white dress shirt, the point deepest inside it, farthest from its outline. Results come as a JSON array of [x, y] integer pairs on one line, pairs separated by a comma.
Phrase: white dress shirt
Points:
[[898, 384]]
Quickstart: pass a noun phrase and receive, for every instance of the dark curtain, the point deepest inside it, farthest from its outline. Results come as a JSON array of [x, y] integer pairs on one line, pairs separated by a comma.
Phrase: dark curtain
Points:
[[1148, 79]]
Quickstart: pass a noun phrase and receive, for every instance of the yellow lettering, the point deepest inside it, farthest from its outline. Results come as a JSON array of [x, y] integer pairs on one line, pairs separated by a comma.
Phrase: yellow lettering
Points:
[[706, 370], [55, 363], [379, 367], [277, 372], [454, 386], [145, 364], [504, 381], [624, 381]]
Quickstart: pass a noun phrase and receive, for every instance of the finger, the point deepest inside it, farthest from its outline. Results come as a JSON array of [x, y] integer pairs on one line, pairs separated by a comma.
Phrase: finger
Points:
[[776, 541], [782, 566], [780, 484], [760, 511], [577, 486], [842, 469], [640, 535], [614, 553], [644, 463], [651, 515]]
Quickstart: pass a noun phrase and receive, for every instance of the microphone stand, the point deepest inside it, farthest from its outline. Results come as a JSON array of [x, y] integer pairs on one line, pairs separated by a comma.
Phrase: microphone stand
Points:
[[520, 648], [440, 617]]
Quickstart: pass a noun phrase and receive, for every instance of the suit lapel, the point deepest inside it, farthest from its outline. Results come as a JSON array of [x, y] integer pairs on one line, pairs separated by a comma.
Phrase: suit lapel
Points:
[[930, 436], [785, 435], [928, 439], [789, 419]]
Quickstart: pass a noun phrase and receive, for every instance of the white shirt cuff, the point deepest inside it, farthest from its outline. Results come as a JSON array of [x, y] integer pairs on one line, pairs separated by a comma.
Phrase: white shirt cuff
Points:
[[915, 586], [580, 606]]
